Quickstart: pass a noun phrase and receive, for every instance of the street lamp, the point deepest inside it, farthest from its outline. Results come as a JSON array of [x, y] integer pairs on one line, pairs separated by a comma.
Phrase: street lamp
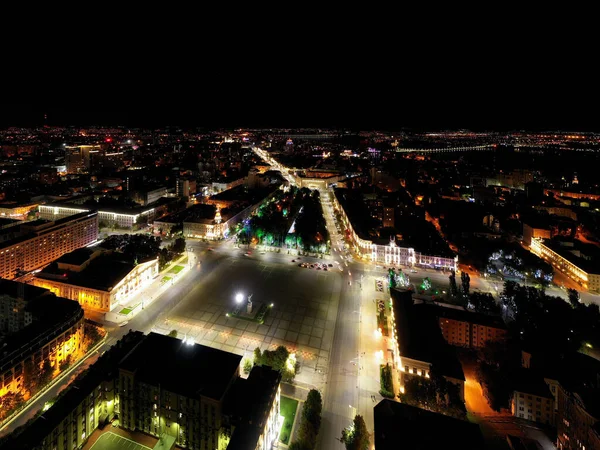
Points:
[[239, 297]]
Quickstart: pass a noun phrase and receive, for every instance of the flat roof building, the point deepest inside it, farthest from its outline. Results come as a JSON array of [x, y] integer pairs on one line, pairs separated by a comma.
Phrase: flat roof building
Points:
[[419, 344], [98, 279], [398, 425], [37, 243]]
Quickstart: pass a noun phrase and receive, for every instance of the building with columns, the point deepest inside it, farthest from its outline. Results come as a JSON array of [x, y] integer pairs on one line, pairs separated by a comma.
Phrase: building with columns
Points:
[[98, 279]]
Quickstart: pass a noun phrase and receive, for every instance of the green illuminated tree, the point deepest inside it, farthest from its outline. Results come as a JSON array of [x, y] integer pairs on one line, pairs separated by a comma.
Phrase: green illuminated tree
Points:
[[356, 437]]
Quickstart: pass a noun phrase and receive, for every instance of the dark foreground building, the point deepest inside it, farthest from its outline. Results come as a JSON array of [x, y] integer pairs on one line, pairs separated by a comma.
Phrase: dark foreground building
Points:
[[398, 425], [190, 395]]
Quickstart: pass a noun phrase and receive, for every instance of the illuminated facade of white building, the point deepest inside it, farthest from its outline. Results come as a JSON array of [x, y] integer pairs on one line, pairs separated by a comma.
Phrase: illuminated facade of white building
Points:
[[589, 281], [76, 281], [392, 254], [121, 219]]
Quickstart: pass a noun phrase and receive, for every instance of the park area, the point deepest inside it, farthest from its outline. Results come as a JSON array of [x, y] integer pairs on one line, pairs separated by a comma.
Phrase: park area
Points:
[[175, 270], [287, 409]]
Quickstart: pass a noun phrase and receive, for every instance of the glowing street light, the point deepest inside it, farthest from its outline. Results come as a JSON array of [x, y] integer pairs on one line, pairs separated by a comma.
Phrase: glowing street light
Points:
[[239, 298]]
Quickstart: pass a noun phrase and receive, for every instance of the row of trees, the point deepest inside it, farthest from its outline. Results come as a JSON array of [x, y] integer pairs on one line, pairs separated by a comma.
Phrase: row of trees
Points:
[[35, 378], [310, 422]]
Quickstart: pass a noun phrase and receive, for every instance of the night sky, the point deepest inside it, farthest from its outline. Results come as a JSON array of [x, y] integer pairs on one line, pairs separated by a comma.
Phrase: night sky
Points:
[[497, 96]]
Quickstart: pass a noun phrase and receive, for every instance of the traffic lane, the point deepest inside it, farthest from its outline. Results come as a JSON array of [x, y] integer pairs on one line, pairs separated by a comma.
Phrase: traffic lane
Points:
[[341, 395]]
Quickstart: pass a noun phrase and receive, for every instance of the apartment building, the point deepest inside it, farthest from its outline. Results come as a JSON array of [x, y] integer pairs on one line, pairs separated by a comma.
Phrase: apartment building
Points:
[[532, 398], [168, 387], [468, 329], [189, 395], [418, 344], [56, 331], [40, 242], [88, 403]]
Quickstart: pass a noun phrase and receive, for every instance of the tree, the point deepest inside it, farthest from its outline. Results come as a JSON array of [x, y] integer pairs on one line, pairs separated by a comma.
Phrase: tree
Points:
[[30, 375], [64, 365], [453, 287], [310, 421], [466, 282], [45, 374], [313, 408], [574, 297], [257, 356], [356, 437], [483, 302], [179, 245], [172, 333]]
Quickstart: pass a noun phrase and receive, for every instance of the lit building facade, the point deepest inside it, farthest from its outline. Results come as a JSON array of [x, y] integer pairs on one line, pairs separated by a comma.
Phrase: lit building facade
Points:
[[89, 402], [417, 343], [222, 411], [87, 292], [55, 334], [42, 242], [119, 218], [391, 254], [470, 330], [533, 406], [588, 280], [15, 211], [576, 424]]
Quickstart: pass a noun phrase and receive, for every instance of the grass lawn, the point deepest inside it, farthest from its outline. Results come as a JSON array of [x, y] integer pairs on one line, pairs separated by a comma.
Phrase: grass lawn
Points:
[[287, 409], [176, 269], [125, 311], [165, 279]]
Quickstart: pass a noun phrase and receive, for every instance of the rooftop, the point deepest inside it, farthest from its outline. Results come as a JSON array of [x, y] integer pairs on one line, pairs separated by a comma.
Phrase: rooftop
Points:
[[103, 273], [471, 317], [28, 233], [49, 314], [584, 256], [249, 402], [243, 194], [420, 337], [530, 382], [15, 289], [192, 371], [397, 423], [76, 257]]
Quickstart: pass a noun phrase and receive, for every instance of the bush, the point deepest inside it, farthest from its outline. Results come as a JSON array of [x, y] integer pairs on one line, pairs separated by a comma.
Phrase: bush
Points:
[[387, 382], [247, 366], [386, 394]]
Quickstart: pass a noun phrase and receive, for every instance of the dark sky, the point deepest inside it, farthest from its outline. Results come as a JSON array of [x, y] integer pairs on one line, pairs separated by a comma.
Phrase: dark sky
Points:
[[437, 89]]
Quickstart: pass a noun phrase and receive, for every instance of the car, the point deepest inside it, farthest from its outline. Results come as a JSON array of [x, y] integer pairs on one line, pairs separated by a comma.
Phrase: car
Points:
[[318, 267], [324, 268], [210, 249], [293, 260], [413, 271], [329, 265], [300, 265]]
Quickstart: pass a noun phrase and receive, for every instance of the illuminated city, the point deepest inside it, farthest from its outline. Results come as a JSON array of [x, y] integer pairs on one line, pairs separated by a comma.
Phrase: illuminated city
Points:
[[245, 287]]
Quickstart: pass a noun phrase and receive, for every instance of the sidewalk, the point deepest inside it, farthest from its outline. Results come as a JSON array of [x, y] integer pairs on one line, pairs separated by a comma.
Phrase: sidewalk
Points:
[[372, 346]]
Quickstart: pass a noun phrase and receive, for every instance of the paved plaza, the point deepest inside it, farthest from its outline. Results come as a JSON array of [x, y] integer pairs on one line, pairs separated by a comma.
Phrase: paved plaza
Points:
[[305, 304]]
